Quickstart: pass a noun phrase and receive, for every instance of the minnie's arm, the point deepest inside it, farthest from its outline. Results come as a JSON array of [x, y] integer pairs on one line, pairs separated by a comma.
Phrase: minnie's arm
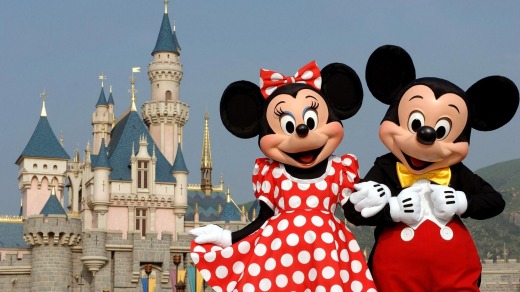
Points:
[[265, 213]]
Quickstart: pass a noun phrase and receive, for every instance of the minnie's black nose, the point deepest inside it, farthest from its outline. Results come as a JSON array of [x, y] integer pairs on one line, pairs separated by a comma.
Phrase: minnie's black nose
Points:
[[302, 130]]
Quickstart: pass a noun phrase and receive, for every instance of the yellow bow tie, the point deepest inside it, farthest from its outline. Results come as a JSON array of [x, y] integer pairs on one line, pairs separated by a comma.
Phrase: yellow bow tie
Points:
[[406, 178]]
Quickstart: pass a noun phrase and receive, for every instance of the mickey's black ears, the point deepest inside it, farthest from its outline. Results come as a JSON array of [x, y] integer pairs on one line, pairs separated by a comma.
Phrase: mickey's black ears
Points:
[[343, 89], [241, 109], [389, 69], [494, 101]]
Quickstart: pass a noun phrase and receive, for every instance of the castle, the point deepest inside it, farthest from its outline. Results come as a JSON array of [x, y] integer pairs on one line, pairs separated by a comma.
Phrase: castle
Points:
[[128, 200]]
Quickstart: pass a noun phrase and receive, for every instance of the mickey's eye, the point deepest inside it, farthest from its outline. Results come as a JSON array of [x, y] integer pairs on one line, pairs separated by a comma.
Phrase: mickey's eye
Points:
[[415, 121], [287, 123], [310, 117], [443, 128]]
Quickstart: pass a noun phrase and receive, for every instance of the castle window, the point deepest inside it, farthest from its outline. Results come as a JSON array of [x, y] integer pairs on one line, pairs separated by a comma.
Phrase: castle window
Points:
[[45, 166], [142, 174], [168, 95], [140, 221], [55, 167], [35, 166]]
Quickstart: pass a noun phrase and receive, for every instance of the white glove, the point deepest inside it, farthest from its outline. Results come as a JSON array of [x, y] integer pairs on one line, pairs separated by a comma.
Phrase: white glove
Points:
[[370, 198], [447, 201], [212, 234], [406, 207]]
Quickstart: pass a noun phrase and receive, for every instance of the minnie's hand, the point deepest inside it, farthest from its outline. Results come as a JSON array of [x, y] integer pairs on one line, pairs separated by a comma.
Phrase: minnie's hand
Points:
[[447, 202], [370, 198], [406, 207], [212, 234]]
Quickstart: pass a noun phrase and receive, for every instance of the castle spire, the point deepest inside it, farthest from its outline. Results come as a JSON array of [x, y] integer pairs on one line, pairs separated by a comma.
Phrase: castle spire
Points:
[[206, 163], [43, 95], [132, 90]]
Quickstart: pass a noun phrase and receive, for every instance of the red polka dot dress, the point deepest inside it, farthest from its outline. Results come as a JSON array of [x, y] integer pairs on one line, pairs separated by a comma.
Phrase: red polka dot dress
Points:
[[303, 247]]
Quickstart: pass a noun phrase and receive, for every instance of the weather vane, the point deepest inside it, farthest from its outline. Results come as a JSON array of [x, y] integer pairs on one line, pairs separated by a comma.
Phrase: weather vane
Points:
[[43, 95], [133, 91], [102, 78], [166, 6]]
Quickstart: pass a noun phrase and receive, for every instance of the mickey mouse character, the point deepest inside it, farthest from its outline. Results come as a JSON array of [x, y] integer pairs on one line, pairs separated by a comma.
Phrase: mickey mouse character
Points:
[[296, 242], [422, 186]]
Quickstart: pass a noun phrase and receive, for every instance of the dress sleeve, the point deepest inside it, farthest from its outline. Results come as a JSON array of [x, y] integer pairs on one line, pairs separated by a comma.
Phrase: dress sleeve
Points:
[[349, 176], [263, 181]]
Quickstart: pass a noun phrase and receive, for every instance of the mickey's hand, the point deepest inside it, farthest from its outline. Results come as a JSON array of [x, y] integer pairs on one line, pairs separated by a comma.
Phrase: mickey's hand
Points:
[[447, 202], [370, 198], [406, 207], [212, 234]]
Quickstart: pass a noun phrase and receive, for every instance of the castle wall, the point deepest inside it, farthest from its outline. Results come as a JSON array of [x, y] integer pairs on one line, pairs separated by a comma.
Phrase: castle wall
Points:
[[51, 268], [500, 276]]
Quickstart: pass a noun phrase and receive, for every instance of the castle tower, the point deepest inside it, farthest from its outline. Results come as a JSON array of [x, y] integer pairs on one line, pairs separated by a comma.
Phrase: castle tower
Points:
[[165, 114], [101, 186], [180, 203], [102, 118], [206, 163], [42, 165], [51, 235]]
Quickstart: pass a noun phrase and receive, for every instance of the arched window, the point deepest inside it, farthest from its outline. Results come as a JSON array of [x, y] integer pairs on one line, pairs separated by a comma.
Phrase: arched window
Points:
[[168, 95]]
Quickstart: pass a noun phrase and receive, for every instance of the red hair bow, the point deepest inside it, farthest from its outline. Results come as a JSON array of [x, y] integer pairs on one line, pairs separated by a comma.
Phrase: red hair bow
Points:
[[271, 80]]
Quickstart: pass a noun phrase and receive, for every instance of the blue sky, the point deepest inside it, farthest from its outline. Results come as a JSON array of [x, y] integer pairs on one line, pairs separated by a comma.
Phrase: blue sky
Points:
[[63, 46]]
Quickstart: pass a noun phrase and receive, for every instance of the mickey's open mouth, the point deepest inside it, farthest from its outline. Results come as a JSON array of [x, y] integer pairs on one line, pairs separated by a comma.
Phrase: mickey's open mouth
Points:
[[306, 157], [415, 163]]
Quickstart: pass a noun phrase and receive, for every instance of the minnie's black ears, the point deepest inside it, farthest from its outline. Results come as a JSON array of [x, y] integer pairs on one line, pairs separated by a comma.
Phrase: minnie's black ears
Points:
[[343, 89]]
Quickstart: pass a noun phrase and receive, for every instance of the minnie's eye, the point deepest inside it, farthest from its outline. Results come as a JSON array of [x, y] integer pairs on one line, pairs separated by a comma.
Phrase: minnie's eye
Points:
[[311, 119], [415, 121], [287, 123], [443, 128]]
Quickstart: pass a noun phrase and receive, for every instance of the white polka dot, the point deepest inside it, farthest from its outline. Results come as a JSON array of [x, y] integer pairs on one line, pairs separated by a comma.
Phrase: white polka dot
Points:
[[304, 257], [286, 185], [256, 169], [277, 172], [327, 237], [310, 236], [332, 171], [195, 258], [347, 161], [270, 264], [244, 247], [332, 225], [351, 176], [319, 254], [321, 185], [334, 255], [253, 269], [336, 159], [368, 275], [199, 248], [312, 201], [303, 186], [221, 272], [344, 255], [327, 273], [281, 203], [336, 288], [265, 284], [238, 267], [216, 248], [266, 187], [333, 208], [344, 276], [210, 257], [317, 221], [356, 286], [320, 289], [295, 202], [307, 75], [217, 289], [258, 186], [260, 250], [313, 274], [286, 260], [298, 277], [205, 274], [283, 224], [276, 244], [248, 287], [317, 82], [299, 221], [356, 266], [335, 188], [353, 246], [371, 290], [268, 230], [292, 239], [281, 281], [276, 191], [265, 169], [230, 286], [326, 203], [276, 76]]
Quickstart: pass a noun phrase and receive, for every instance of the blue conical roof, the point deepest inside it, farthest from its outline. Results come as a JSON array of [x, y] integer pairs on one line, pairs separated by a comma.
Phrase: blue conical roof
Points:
[[53, 206], [166, 41], [43, 143], [102, 99], [102, 157], [110, 99], [179, 165]]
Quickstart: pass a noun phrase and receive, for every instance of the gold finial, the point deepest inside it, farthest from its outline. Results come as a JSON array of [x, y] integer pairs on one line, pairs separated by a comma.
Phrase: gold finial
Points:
[[43, 95], [53, 191], [166, 6], [133, 91], [102, 78], [174, 19], [61, 138], [110, 88]]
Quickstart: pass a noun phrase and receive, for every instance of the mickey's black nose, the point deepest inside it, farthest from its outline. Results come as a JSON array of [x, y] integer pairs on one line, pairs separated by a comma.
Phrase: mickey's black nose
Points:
[[426, 135], [302, 130]]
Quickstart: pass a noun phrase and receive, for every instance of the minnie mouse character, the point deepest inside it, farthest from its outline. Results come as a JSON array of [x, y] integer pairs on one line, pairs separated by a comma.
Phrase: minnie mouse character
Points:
[[296, 242], [421, 243]]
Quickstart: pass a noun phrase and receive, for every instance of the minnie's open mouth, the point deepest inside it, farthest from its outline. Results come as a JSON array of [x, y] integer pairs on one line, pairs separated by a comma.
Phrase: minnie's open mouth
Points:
[[415, 163], [306, 157]]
